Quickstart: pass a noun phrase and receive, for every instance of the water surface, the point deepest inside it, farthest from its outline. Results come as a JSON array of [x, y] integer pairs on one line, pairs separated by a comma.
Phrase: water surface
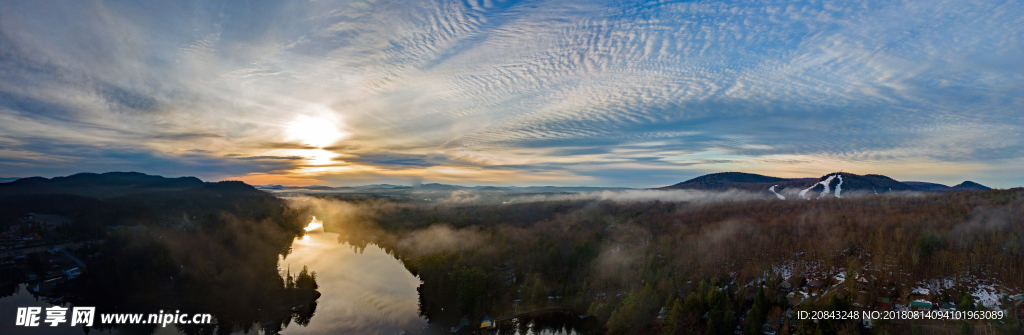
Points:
[[363, 293]]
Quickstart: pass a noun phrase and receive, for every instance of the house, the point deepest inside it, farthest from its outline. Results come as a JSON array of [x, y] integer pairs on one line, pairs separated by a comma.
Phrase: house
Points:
[[786, 286], [487, 323], [883, 304], [920, 305], [1018, 306], [865, 283], [815, 286]]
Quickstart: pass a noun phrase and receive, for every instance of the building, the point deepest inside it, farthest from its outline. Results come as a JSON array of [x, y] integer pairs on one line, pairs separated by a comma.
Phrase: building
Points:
[[815, 286], [920, 305], [1018, 306], [786, 286], [866, 283], [883, 304], [487, 323]]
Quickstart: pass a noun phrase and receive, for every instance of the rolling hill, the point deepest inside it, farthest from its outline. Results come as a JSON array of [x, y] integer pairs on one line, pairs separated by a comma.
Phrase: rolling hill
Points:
[[848, 182], [117, 184]]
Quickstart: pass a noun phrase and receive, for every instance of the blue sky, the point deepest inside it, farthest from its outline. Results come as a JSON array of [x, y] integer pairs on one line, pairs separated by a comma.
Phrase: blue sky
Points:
[[617, 93]]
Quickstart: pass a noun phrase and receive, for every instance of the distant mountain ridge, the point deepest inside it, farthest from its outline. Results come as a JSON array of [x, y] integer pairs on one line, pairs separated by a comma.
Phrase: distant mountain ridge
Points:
[[435, 187], [970, 185], [846, 181], [734, 180], [116, 184]]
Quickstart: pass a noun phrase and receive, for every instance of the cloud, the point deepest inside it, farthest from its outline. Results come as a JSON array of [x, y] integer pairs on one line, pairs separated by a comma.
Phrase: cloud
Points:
[[282, 145], [267, 158], [386, 159], [628, 93]]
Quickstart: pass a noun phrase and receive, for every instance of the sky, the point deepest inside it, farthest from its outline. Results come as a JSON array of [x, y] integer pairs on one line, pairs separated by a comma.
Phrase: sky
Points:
[[599, 93]]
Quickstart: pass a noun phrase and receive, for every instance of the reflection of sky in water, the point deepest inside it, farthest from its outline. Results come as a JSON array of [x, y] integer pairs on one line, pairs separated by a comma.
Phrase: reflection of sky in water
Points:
[[368, 293]]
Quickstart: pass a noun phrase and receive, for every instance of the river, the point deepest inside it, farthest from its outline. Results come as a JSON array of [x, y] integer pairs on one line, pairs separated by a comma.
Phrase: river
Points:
[[367, 292], [363, 293]]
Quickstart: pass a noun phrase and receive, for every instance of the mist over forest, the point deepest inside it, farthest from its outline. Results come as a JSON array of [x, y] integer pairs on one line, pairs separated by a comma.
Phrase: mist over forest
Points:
[[513, 167], [701, 256], [623, 256]]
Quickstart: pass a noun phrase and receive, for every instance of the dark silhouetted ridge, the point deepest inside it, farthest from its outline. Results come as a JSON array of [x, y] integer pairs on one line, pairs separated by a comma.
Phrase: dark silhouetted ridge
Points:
[[873, 183], [971, 186], [927, 187], [725, 180], [116, 184]]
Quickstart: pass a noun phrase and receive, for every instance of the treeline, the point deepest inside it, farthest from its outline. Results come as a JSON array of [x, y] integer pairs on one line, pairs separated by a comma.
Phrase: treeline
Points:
[[193, 207], [208, 249], [623, 262]]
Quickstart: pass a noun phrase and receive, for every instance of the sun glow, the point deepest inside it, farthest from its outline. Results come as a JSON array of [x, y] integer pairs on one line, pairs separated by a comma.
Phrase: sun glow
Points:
[[315, 131], [314, 224]]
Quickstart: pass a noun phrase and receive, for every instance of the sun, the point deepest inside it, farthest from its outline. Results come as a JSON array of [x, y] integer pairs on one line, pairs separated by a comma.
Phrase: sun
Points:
[[314, 131]]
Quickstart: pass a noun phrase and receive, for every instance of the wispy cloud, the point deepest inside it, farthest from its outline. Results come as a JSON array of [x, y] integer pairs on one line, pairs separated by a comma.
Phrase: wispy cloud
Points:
[[627, 93]]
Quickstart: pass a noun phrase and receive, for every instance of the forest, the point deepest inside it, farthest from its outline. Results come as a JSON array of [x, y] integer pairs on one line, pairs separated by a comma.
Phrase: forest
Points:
[[196, 247], [683, 267]]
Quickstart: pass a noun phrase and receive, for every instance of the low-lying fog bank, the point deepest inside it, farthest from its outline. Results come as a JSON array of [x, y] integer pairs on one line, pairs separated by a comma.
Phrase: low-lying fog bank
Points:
[[623, 255]]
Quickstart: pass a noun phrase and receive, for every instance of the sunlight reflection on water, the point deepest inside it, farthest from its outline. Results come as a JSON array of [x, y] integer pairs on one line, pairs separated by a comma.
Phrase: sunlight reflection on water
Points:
[[363, 293], [314, 224]]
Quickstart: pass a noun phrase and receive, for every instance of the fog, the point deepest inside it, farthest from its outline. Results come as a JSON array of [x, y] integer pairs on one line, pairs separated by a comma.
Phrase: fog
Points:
[[649, 195], [440, 238]]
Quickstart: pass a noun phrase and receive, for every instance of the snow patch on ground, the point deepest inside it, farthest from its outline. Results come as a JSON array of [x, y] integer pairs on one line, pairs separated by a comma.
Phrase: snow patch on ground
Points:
[[986, 295], [786, 270]]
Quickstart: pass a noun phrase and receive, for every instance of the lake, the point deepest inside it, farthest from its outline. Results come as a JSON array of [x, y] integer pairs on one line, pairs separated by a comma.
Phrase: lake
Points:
[[363, 293], [367, 292]]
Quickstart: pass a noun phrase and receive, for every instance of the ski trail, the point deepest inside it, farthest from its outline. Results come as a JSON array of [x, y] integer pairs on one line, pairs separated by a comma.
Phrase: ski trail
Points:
[[839, 187], [776, 194], [825, 183], [804, 192], [822, 183]]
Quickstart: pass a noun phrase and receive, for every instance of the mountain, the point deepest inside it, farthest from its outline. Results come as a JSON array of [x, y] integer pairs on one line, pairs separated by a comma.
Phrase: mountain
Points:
[[850, 182], [430, 188], [927, 187], [436, 186], [130, 198], [933, 187], [117, 184], [381, 186], [7, 180], [728, 180], [971, 186], [739, 181], [870, 182]]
